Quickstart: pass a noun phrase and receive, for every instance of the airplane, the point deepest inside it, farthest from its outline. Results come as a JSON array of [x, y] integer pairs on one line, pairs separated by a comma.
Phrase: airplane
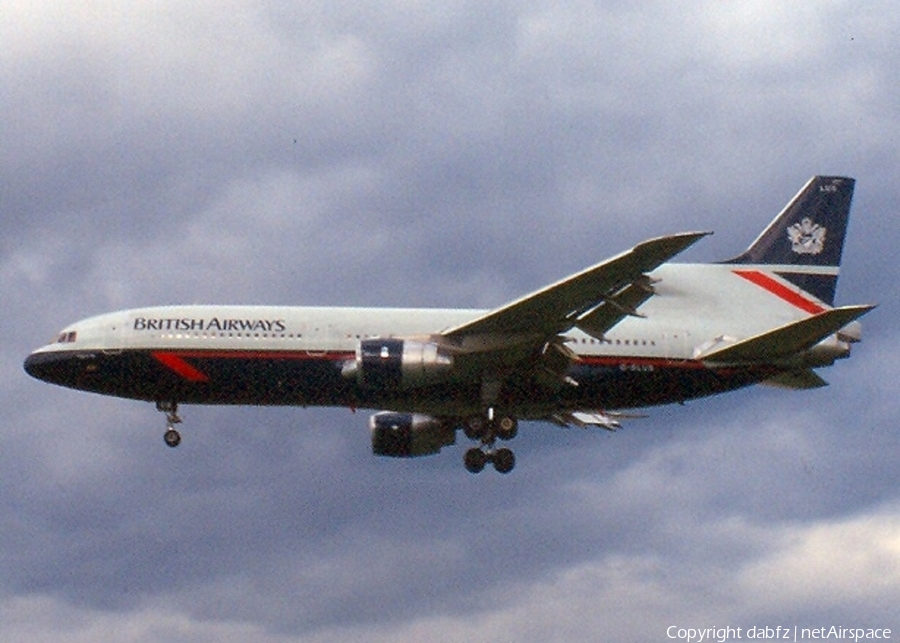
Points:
[[633, 331]]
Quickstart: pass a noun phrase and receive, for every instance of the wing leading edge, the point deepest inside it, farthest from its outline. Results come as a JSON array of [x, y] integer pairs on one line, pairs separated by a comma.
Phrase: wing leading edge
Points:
[[595, 299]]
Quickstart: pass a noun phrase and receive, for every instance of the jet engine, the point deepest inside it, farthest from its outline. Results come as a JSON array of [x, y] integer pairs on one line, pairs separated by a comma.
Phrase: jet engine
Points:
[[834, 347], [826, 352], [388, 364], [408, 435]]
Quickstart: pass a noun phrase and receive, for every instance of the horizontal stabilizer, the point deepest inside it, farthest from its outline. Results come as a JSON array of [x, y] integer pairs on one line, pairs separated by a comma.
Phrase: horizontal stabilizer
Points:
[[798, 380], [787, 340]]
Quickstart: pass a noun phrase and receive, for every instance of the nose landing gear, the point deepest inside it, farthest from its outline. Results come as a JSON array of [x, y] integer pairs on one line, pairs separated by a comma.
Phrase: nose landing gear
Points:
[[171, 436]]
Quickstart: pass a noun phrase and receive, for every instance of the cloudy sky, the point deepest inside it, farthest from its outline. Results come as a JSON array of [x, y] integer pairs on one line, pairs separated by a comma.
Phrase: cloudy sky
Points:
[[433, 154]]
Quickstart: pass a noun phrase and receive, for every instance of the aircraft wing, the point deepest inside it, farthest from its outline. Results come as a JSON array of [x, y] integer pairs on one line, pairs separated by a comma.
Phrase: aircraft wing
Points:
[[598, 297]]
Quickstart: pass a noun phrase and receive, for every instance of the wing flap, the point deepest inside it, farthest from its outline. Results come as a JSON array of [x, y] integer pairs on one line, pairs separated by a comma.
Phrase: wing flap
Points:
[[608, 420], [786, 340], [615, 308], [557, 307]]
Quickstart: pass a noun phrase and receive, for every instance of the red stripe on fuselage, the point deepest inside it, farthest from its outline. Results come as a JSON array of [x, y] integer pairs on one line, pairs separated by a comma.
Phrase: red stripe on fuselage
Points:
[[177, 364], [780, 290]]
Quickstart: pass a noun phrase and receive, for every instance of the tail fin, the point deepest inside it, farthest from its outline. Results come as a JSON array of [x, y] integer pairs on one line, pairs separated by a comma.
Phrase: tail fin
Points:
[[805, 241]]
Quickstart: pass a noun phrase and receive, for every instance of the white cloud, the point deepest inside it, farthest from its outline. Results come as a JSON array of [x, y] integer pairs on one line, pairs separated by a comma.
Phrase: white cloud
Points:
[[828, 563], [762, 34]]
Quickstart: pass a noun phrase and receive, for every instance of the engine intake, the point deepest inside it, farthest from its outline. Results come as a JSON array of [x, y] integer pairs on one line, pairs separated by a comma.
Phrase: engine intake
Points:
[[397, 363], [409, 435]]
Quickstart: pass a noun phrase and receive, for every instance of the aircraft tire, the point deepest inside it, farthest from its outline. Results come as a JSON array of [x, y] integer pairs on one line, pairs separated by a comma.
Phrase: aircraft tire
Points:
[[507, 428], [504, 460], [172, 438], [475, 460], [474, 428]]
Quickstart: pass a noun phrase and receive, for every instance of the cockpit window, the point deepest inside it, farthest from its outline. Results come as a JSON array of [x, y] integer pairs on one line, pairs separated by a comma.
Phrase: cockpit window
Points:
[[67, 338]]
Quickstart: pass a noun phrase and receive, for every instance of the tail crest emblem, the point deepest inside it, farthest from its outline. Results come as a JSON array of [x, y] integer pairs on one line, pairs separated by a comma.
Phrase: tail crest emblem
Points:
[[807, 237]]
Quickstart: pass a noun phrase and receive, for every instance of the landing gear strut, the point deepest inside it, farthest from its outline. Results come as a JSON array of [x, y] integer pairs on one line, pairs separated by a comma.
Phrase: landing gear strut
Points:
[[171, 436], [488, 430]]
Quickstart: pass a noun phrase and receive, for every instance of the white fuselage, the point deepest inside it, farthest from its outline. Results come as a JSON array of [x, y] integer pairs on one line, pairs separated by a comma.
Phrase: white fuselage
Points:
[[693, 304]]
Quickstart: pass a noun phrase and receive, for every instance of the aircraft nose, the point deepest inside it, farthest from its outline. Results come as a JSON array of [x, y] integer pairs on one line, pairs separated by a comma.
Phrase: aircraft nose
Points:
[[36, 366], [48, 366]]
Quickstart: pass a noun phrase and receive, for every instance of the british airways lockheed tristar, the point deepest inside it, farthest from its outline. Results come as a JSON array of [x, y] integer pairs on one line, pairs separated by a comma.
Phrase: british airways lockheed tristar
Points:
[[633, 331]]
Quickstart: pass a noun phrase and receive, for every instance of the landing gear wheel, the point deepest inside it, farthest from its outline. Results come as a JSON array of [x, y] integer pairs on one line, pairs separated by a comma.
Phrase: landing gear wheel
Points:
[[475, 428], [504, 460], [172, 437], [475, 460], [487, 429], [507, 428]]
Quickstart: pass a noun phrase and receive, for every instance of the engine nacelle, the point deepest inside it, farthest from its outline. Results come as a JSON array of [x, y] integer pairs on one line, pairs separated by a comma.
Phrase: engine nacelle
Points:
[[388, 364], [826, 352], [409, 435]]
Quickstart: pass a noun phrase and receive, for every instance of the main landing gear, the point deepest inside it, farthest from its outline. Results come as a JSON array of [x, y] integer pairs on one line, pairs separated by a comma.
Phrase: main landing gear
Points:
[[171, 436], [488, 430]]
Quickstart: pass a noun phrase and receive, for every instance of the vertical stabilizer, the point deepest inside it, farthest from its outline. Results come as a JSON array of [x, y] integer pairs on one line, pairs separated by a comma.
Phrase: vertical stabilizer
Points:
[[805, 241]]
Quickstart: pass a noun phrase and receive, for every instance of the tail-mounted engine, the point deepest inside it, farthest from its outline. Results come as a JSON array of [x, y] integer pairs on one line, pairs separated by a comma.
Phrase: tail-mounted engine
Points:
[[834, 347], [387, 364], [827, 351], [408, 435]]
